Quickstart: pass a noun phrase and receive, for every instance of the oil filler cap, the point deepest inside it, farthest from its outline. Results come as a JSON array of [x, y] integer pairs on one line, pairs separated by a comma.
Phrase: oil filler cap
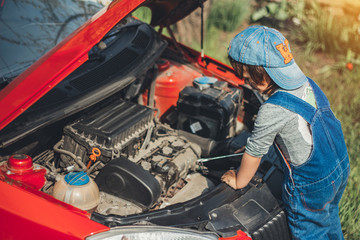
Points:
[[77, 178]]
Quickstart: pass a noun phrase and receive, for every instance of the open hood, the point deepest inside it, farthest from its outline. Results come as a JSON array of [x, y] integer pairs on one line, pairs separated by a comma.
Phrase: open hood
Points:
[[72, 52]]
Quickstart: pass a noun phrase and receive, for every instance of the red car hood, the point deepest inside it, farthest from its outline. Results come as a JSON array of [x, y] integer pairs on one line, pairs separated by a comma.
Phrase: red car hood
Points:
[[72, 52]]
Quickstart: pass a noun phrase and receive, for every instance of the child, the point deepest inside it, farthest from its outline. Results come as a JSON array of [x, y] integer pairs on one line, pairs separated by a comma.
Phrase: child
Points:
[[298, 118]]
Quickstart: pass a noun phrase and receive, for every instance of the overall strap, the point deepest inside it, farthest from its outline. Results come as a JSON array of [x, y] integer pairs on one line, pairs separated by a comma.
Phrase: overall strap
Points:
[[294, 104], [321, 99]]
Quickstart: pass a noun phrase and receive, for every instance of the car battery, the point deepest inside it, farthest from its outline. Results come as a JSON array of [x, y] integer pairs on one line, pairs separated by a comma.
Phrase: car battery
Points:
[[209, 108]]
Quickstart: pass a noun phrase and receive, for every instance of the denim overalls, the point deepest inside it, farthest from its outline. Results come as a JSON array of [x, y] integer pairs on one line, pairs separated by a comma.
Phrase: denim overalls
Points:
[[312, 191]]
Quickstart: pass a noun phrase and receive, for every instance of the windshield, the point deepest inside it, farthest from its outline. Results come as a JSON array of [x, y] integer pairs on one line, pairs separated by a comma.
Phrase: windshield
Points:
[[30, 28]]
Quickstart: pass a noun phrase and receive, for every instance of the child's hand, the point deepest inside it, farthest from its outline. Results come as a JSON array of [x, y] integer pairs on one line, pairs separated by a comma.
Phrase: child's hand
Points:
[[230, 178]]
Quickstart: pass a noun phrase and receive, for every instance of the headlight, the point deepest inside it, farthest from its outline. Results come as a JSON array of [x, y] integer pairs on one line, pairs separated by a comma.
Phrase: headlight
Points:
[[152, 233]]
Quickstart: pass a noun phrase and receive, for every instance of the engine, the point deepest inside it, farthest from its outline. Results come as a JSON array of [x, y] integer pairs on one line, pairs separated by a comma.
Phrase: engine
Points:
[[137, 163]]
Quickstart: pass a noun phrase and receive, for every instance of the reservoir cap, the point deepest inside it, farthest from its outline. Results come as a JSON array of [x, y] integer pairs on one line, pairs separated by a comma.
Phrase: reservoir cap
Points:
[[77, 178], [205, 80]]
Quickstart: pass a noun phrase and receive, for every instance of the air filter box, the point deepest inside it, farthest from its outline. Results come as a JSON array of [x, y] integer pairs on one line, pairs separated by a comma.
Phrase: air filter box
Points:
[[209, 108]]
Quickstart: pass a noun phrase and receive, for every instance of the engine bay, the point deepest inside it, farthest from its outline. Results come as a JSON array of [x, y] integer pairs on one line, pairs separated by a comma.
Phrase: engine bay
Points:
[[139, 163]]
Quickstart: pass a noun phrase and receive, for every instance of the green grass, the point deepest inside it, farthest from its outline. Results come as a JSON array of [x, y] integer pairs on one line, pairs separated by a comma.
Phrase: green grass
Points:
[[227, 15], [143, 13], [334, 34]]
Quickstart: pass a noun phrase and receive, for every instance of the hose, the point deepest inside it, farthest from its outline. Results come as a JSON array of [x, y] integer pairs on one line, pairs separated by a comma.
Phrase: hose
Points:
[[70, 154], [207, 145]]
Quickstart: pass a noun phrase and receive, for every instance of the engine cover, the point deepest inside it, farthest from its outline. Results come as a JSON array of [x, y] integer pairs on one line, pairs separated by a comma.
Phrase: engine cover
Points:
[[115, 130]]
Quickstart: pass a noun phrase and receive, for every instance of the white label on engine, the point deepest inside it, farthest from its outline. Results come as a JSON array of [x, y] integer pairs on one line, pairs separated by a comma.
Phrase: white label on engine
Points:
[[195, 127]]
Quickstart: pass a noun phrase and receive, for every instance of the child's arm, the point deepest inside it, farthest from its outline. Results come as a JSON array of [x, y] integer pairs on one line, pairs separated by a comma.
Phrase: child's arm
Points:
[[248, 168]]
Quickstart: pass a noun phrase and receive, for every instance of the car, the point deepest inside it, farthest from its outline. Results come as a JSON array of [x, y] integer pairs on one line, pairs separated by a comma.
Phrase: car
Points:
[[112, 129]]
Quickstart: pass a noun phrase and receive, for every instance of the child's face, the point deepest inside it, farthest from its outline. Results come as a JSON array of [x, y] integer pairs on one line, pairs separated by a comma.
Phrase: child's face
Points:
[[259, 87]]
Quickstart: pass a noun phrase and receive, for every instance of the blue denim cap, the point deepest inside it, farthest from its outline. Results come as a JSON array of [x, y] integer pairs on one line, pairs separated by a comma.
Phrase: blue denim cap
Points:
[[267, 47]]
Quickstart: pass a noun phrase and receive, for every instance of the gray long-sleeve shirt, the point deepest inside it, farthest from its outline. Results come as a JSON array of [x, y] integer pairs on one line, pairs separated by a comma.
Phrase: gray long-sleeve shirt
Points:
[[289, 130]]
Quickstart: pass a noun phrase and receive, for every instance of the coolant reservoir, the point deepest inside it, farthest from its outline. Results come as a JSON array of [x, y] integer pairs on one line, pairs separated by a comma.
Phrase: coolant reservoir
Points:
[[79, 190]]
